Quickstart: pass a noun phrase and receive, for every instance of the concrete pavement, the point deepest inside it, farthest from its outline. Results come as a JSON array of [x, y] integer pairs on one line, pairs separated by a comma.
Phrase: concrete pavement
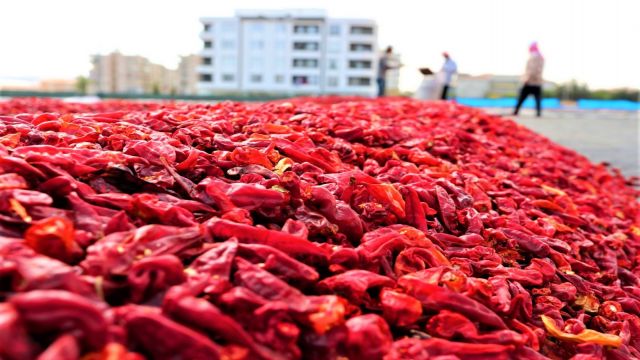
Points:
[[601, 135]]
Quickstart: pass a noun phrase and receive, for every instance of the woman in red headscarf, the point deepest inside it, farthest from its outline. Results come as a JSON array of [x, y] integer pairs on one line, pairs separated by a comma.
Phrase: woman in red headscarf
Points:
[[532, 79]]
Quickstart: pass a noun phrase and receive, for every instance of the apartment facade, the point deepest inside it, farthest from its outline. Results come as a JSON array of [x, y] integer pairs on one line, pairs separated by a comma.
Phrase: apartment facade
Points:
[[288, 52]]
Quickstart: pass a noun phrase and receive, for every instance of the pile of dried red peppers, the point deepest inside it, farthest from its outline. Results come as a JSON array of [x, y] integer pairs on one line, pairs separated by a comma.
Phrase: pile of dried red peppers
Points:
[[313, 228]]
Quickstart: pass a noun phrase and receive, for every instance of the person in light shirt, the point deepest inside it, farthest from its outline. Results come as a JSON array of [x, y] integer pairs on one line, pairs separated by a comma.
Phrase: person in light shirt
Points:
[[385, 63], [532, 79], [449, 69]]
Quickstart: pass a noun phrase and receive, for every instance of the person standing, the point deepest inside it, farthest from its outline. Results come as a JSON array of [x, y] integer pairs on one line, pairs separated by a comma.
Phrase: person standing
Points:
[[384, 65], [449, 69], [532, 80]]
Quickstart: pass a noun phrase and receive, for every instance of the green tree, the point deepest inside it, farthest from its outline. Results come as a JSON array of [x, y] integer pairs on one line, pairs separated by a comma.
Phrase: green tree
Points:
[[82, 84], [573, 90]]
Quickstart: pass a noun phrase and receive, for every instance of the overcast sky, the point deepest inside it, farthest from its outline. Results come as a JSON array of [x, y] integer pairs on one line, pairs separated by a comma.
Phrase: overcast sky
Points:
[[596, 41]]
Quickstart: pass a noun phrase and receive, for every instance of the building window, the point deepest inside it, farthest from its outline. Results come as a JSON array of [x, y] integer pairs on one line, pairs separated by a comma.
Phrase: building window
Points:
[[305, 63], [362, 30], [280, 63], [300, 80], [359, 81], [306, 29], [255, 78], [207, 27], [333, 46], [228, 62], [334, 29], [228, 77], [333, 64], [360, 64], [206, 77], [228, 27], [256, 44], [228, 44], [280, 28], [207, 61], [278, 79], [255, 63], [304, 80], [257, 27], [208, 44], [332, 81], [280, 45], [306, 45], [360, 47]]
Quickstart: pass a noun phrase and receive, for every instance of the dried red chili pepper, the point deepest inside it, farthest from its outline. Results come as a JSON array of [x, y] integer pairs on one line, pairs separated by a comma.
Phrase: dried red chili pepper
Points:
[[65, 347], [431, 231], [53, 237], [165, 339], [60, 311]]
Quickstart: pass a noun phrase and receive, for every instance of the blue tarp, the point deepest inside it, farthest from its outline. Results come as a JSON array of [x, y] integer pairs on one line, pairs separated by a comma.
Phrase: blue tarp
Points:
[[507, 103], [608, 104], [551, 103]]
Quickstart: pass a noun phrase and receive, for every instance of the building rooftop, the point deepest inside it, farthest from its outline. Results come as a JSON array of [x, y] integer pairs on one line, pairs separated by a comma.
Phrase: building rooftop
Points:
[[284, 13]]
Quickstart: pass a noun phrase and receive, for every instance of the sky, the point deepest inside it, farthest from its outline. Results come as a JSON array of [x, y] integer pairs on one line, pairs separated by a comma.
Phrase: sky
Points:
[[593, 41]]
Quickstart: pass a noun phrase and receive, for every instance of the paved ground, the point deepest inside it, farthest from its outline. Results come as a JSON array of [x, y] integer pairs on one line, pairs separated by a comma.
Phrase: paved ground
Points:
[[602, 136]]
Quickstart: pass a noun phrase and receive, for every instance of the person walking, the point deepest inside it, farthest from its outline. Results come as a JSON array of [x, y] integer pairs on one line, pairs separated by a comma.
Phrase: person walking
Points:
[[449, 69], [384, 65], [532, 80]]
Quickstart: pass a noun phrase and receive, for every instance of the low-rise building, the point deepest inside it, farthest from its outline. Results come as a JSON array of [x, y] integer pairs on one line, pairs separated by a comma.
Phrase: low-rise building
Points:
[[393, 75], [133, 74], [188, 75], [490, 86]]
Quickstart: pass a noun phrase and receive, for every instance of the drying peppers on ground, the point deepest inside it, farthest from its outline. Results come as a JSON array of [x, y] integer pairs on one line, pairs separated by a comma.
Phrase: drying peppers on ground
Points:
[[312, 228]]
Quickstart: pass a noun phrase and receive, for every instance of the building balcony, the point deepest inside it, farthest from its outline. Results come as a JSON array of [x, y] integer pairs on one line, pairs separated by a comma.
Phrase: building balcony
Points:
[[360, 72], [305, 37], [306, 54], [362, 37], [204, 69], [206, 52], [206, 35]]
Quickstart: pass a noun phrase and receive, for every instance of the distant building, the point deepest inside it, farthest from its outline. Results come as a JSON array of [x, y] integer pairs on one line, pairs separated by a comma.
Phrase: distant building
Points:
[[469, 86], [288, 51], [491, 86], [118, 73], [393, 76], [127, 74], [32, 84], [188, 75], [58, 85]]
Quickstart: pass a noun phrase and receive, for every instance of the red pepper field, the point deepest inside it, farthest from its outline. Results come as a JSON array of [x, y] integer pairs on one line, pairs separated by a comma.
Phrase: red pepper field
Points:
[[310, 228]]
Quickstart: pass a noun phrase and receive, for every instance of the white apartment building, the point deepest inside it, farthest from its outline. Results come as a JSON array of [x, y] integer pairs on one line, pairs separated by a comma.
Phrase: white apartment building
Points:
[[288, 52]]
